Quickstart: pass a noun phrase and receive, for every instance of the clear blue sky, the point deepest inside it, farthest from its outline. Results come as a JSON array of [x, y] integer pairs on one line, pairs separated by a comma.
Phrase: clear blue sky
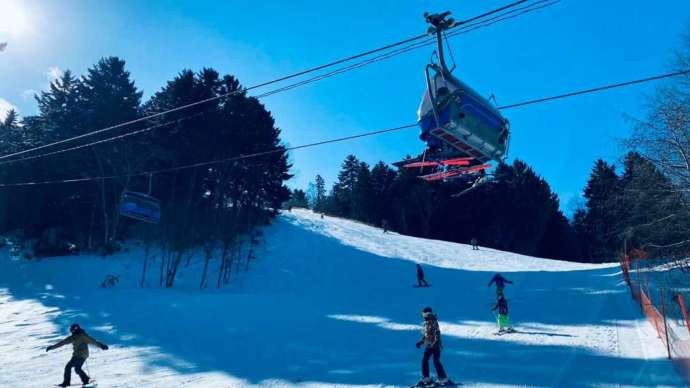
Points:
[[574, 44]]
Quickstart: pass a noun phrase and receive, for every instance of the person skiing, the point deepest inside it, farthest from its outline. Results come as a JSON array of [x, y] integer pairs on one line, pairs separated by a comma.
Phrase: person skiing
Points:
[[504, 325], [500, 283], [474, 244], [80, 352], [431, 339], [420, 277]]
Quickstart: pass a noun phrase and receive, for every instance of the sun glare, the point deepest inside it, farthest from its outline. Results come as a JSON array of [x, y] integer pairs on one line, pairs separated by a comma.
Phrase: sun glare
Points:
[[14, 20]]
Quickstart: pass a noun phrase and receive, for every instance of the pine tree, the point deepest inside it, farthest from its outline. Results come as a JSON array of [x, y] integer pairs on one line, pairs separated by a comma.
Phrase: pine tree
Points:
[[362, 199], [320, 194], [601, 193], [342, 203], [382, 178], [298, 199]]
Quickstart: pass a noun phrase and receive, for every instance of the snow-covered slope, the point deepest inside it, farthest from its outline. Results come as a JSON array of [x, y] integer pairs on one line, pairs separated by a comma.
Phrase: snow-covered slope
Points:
[[329, 303]]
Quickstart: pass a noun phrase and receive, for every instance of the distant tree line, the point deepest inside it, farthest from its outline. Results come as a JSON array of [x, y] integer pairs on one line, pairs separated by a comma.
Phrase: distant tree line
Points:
[[212, 205], [516, 212]]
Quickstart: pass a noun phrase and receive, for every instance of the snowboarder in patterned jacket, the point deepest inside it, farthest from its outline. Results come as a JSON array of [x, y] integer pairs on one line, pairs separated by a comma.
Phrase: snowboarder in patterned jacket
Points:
[[502, 319], [420, 277], [500, 283], [431, 340], [80, 352]]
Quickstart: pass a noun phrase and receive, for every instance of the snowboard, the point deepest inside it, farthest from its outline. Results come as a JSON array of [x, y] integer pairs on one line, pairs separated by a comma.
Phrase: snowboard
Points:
[[418, 286], [436, 384], [509, 331]]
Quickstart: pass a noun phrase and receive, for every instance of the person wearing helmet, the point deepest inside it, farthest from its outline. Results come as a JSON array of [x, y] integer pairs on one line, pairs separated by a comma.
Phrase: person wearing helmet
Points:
[[431, 340], [80, 352]]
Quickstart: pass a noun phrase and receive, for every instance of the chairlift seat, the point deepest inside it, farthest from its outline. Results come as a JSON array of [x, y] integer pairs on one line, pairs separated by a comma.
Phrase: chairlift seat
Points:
[[140, 206]]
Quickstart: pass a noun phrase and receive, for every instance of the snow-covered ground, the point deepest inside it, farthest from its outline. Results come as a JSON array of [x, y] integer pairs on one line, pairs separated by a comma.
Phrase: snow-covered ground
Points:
[[329, 303]]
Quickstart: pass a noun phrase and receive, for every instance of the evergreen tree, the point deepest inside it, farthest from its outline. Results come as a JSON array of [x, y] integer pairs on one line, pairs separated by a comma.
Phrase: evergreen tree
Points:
[[298, 199], [362, 199], [343, 193], [319, 194], [599, 223], [382, 178]]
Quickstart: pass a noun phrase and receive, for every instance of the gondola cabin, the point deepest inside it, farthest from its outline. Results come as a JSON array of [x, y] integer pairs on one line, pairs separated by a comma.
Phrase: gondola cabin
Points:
[[140, 206], [456, 121]]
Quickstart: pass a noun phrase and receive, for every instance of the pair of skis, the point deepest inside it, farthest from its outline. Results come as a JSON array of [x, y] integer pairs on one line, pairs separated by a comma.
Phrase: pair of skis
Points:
[[460, 166]]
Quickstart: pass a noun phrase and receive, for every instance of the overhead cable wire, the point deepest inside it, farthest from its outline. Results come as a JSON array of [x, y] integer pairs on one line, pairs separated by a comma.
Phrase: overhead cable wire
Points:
[[505, 16], [260, 85], [212, 162], [336, 140], [594, 90], [314, 79]]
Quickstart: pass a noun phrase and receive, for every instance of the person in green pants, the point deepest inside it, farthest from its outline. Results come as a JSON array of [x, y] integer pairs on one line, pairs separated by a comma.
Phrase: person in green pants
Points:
[[504, 325]]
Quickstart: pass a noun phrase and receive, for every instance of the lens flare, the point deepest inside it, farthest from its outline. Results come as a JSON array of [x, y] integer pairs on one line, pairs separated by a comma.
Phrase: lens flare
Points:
[[14, 20]]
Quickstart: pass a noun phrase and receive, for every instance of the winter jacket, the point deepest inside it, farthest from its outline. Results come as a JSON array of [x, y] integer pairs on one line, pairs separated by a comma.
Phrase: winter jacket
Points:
[[431, 333], [502, 306], [80, 344], [499, 280]]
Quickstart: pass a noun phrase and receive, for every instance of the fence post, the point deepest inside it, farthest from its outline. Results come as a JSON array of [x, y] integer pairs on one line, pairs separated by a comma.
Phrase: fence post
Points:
[[684, 310], [663, 313]]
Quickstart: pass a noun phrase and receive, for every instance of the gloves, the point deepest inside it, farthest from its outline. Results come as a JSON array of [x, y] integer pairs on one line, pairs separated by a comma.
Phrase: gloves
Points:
[[105, 347], [419, 344]]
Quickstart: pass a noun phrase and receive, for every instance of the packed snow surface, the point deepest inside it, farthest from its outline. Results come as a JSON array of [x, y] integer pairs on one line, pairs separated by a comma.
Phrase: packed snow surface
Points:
[[329, 303]]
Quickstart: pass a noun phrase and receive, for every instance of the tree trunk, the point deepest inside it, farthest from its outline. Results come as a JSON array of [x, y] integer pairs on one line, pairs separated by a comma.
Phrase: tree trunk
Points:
[[106, 229], [146, 259]]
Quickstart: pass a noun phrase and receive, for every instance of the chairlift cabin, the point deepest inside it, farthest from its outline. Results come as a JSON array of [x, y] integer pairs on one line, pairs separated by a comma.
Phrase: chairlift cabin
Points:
[[455, 120], [140, 206]]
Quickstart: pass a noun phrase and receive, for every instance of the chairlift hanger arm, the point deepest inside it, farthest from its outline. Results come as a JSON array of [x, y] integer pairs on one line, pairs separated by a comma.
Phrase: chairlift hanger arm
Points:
[[439, 24]]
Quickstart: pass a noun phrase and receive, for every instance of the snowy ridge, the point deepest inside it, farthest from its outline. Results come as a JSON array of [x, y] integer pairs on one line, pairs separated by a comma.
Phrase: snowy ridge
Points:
[[329, 303], [433, 252]]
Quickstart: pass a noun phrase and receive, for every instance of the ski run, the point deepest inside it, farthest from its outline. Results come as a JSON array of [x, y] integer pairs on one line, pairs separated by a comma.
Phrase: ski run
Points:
[[329, 303]]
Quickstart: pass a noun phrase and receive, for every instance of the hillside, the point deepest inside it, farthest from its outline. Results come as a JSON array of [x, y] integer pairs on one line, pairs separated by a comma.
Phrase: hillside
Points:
[[329, 303]]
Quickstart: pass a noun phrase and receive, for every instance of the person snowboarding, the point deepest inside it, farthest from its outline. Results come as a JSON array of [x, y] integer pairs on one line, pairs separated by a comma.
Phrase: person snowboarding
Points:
[[80, 352], [500, 283], [431, 340], [420, 277], [474, 244], [503, 321]]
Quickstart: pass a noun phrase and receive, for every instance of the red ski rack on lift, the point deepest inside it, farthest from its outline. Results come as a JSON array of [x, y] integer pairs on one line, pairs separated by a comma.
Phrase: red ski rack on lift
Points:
[[449, 162], [459, 171]]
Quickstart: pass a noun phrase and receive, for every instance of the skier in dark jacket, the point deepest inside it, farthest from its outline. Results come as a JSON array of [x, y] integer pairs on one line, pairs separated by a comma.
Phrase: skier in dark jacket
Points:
[[431, 339], [502, 319], [500, 283], [80, 352], [420, 277]]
